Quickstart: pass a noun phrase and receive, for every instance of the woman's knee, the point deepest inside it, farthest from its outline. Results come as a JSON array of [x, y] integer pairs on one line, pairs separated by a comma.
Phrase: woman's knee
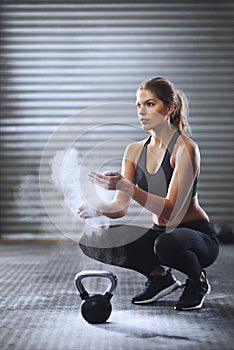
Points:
[[166, 245]]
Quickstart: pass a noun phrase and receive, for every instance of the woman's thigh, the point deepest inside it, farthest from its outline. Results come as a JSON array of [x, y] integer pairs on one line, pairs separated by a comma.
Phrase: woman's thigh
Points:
[[177, 242]]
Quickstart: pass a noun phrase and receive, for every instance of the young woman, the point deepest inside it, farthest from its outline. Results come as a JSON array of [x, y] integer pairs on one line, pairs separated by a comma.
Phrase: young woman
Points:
[[160, 173]]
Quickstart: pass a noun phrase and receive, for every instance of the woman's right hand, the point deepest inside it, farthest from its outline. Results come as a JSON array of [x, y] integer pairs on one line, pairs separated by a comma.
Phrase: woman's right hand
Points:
[[87, 212]]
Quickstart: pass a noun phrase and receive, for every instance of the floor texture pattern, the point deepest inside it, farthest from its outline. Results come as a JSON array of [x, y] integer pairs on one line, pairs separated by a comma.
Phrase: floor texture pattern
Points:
[[40, 306]]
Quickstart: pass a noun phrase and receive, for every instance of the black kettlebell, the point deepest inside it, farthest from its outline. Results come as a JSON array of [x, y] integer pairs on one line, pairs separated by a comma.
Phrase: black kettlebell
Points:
[[96, 308]]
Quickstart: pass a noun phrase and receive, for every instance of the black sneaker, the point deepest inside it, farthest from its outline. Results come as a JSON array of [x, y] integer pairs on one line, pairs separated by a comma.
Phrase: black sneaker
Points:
[[194, 294], [156, 288]]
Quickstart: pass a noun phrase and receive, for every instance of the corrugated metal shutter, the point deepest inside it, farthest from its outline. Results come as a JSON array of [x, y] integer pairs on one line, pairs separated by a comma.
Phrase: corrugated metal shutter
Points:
[[59, 57]]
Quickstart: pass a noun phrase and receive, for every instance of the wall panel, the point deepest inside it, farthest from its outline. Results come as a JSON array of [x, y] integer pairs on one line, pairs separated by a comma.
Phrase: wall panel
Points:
[[60, 57]]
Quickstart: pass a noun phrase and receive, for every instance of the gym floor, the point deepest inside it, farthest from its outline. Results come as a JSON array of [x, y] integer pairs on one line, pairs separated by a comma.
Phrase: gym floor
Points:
[[40, 306]]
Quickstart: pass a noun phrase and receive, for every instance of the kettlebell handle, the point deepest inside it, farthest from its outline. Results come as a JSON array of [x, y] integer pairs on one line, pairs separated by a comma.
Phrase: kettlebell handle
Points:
[[95, 273]]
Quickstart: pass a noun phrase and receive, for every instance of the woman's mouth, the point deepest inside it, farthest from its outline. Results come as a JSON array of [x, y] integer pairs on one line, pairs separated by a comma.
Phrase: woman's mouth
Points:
[[143, 121]]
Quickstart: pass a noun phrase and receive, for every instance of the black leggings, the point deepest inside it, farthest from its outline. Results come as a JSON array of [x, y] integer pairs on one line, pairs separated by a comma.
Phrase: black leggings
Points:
[[188, 248]]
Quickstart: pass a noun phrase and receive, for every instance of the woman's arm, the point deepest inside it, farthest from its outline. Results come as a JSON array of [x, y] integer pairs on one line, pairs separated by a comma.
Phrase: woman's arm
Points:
[[118, 207]]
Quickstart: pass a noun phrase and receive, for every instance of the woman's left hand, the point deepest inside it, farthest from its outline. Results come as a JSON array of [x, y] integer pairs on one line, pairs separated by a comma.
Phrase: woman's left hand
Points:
[[110, 180], [86, 212]]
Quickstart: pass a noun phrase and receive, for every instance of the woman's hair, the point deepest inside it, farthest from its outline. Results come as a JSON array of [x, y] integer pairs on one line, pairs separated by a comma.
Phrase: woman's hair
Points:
[[166, 92]]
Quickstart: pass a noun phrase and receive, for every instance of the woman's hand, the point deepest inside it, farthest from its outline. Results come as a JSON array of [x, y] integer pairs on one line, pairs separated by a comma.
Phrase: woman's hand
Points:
[[86, 212], [111, 180]]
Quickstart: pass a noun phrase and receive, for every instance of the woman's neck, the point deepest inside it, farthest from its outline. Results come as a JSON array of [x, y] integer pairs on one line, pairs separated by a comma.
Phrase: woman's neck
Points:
[[162, 137]]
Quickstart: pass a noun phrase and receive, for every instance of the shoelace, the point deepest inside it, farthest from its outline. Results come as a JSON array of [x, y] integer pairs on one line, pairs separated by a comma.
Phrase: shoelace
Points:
[[148, 282]]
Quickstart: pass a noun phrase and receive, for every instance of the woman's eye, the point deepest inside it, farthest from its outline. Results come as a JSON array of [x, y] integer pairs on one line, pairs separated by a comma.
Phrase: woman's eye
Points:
[[150, 104]]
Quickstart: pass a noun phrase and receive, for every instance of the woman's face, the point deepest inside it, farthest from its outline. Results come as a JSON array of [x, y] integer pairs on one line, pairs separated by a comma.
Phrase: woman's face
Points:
[[152, 112]]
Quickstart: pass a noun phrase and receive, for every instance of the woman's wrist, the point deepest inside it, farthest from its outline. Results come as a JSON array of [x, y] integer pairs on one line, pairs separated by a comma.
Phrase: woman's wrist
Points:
[[126, 186]]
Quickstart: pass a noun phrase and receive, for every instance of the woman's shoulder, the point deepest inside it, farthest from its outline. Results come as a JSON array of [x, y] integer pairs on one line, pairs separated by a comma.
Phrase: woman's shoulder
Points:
[[184, 146], [185, 141], [133, 150], [137, 144]]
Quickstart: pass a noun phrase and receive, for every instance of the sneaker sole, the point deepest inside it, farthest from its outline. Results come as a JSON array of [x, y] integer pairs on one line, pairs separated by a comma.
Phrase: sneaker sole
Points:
[[161, 294], [196, 307]]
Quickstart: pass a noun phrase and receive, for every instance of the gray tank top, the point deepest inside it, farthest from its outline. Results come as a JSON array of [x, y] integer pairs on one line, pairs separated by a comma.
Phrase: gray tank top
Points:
[[158, 182]]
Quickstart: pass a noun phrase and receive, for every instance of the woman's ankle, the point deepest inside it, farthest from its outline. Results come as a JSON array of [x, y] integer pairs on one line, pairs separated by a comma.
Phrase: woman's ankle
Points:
[[159, 271]]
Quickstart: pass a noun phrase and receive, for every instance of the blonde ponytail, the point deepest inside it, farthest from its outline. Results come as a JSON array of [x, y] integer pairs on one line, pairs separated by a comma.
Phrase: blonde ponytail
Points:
[[179, 119]]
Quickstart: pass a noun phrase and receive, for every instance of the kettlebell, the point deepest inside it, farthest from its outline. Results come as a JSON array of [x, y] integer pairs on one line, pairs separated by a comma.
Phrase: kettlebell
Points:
[[96, 308]]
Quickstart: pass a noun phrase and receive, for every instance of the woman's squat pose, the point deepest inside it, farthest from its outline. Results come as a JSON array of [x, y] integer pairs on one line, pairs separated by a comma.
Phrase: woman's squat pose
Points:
[[160, 173]]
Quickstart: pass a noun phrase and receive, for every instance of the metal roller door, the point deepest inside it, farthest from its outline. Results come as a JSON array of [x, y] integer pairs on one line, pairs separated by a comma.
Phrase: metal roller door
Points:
[[59, 58]]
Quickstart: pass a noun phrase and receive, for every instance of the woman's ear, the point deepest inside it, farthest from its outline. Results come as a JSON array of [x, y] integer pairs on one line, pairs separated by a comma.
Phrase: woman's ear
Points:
[[171, 109]]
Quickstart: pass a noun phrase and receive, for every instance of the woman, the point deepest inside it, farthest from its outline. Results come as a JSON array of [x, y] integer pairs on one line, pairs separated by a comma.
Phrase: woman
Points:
[[160, 173]]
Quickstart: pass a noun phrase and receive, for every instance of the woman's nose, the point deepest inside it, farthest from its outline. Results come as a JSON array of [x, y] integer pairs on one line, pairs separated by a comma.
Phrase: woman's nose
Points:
[[141, 110]]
